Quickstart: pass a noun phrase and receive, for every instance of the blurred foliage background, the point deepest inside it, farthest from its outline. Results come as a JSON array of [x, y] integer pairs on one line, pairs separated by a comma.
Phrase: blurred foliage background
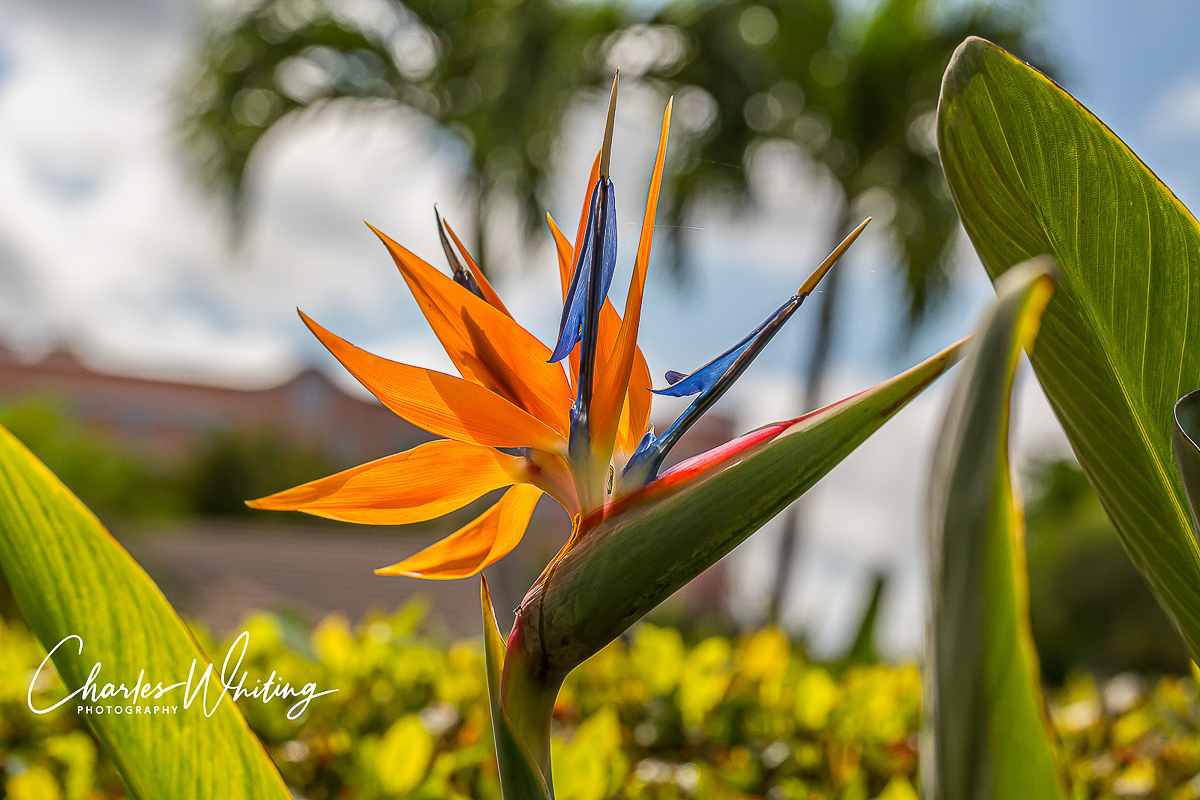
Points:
[[655, 715], [1090, 608], [223, 469]]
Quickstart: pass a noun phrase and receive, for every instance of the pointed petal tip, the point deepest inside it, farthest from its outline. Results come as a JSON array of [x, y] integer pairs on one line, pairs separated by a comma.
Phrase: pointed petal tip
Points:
[[820, 272], [954, 352], [461, 276], [388, 242], [606, 150], [394, 571], [275, 502]]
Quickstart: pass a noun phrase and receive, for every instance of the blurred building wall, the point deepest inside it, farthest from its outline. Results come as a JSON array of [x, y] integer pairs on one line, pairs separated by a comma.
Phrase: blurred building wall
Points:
[[163, 419]]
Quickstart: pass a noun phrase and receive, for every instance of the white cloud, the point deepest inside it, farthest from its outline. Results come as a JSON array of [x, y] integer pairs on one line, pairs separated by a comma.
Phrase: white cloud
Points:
[[1175, 114]]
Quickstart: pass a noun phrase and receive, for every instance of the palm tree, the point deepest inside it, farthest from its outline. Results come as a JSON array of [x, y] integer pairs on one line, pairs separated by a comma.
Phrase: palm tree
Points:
[[496, 76], [858, 95], [856, 92]]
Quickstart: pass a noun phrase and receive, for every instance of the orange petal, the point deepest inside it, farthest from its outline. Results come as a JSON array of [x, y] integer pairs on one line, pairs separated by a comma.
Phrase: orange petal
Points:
[[613, 381], [428, 481], [583, 218], [479, 544], [485, 344], [552, 474], [440, 403], [566, 256], [635, 415], [485, 286]]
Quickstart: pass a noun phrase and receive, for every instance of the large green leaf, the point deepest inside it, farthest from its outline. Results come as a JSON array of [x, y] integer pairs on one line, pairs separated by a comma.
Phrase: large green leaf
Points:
[[1033, 172], [985, 732], [630, 562], [71, 578]]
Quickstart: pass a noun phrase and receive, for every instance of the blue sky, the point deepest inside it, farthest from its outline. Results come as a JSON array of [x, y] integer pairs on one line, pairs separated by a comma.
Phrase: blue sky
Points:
[[1136, 65], [106, 243]]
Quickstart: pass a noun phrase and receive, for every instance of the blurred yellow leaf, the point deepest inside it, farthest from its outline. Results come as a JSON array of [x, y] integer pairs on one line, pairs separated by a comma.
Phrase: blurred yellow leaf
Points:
[[78, 753], [334, 644], [658, 655], [35, 783], [706, 675], [898, 788], [765, 655], [592, 766], [600, 733], [404, 755], [1136, 780], [816, 695], [1132, 726]]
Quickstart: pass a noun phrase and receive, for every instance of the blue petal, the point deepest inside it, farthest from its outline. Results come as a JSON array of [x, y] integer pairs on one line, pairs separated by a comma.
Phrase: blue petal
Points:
[[644, 444], [642, 466], [610, 243], [703, 378], [571, 325], [467, 281], [570, 328]]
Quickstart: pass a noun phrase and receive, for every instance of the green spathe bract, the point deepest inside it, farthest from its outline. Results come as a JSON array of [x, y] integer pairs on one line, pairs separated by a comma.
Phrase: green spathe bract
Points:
[[639, 557], [630, 562], [985, 734], [71, 578], [1033, 172]]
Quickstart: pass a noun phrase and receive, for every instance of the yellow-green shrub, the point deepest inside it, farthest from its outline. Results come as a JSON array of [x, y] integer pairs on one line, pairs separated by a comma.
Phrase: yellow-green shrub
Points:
[[649, 717]]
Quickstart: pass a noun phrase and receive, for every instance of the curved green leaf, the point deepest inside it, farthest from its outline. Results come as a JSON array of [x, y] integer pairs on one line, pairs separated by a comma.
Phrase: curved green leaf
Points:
[[1032, 173], [520, 778], [71, 578], [985, 733], [635, 559]]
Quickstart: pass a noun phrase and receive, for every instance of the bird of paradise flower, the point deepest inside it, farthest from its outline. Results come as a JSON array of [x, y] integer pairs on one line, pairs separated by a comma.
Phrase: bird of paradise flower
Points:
[[573, 422], [580, 435]]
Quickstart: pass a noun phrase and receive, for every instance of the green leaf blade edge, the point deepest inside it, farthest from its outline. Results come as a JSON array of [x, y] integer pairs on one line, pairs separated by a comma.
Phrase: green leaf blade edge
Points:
[[70, 577], [986, 734]]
